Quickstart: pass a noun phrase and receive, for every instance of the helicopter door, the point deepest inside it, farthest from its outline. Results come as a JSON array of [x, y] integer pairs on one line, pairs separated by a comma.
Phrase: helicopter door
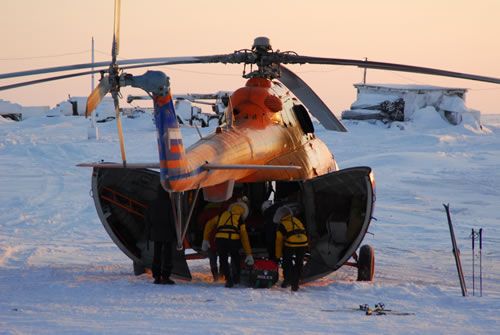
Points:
[[338, 209], [122, 197]]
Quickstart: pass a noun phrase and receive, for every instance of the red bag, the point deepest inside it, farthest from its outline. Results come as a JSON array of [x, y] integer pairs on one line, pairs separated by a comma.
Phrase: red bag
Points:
[[263, 273]]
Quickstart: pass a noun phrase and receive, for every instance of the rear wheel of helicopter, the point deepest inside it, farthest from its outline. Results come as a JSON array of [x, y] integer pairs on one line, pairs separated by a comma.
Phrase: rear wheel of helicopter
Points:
[[366, 263]]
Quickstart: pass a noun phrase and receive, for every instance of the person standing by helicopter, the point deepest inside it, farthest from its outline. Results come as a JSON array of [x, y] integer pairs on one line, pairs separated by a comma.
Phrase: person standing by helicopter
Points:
[[230, 233], [161, 230], [291, 241], [209, 211]]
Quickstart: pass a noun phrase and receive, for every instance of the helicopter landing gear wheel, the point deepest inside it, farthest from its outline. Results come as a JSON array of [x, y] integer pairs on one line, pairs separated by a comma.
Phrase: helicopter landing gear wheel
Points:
[[366, 263]]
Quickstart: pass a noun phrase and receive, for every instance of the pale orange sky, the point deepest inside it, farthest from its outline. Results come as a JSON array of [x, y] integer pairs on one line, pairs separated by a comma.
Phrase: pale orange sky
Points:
[[458, 35]]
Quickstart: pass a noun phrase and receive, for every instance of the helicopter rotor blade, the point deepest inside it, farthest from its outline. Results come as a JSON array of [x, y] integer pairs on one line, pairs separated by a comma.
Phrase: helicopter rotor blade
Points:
[[311, 100], [115, 48], [119, 127], [43, 80], [97, 95], [53, 69], [111, 83], [164, 62], [134, 63], [295, 59]]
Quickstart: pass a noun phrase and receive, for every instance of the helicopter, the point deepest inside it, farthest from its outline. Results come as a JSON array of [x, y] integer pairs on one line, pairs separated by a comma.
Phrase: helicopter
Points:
[[266, 148]]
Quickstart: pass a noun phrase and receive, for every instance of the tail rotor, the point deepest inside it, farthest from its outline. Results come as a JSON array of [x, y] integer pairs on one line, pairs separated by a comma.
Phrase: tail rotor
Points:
[[110, 83]]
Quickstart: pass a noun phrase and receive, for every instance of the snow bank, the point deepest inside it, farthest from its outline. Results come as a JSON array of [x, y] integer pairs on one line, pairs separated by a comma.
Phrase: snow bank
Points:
[[4, 120], [61, 273]]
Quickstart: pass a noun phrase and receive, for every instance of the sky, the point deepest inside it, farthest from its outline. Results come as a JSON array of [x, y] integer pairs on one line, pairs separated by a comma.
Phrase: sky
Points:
[[459, 35]]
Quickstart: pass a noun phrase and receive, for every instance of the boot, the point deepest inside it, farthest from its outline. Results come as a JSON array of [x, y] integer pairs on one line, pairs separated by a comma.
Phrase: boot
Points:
[[285, 284], [229, 283], [295, 287], [167, 281], [157, 280], [215, 275]]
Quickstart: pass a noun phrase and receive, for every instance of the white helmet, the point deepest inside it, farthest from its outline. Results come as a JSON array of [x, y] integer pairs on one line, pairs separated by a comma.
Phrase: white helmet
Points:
[[292, 208], [239, 207]]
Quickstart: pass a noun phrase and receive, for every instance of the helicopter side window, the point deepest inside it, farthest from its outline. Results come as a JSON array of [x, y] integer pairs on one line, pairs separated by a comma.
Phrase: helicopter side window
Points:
[[304, 119]]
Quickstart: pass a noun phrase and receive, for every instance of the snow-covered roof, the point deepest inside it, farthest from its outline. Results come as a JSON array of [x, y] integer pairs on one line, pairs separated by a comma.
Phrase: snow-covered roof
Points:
[[7, 107]]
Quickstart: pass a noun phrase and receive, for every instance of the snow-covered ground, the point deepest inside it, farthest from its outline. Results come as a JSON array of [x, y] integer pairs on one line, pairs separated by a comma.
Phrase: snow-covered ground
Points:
[[60, 272]]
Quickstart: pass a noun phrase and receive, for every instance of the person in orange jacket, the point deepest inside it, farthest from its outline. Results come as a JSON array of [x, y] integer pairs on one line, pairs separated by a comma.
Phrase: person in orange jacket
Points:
[[229, 235]]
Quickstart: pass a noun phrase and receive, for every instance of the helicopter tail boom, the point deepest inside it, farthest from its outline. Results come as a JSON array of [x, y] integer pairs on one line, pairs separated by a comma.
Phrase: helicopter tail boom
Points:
[[171, 150]]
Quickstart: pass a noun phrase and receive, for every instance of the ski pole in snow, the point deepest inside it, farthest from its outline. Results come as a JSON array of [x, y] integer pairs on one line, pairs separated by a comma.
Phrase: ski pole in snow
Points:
[[480, 262], [456, 252]]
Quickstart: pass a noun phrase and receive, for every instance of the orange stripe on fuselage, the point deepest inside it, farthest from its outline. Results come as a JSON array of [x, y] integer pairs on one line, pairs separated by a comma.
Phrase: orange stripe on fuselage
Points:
[[176, 148], [161, 101], [173, 164]]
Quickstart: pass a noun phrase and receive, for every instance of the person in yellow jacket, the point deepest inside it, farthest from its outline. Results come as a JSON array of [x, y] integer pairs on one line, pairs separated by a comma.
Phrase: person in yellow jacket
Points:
[[291, 240], [230, 231]]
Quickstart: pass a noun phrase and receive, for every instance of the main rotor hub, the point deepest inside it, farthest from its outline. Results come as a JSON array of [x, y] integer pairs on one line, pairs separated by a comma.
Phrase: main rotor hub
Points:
[[262, 43], [262, 53]]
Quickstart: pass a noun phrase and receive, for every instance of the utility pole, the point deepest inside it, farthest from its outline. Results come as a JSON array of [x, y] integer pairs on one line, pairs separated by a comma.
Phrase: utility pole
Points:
[[92, 75], [93, 133], [364, 73]]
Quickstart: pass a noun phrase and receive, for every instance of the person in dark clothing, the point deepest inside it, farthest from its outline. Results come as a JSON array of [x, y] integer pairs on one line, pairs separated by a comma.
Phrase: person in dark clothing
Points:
[[160, 221]]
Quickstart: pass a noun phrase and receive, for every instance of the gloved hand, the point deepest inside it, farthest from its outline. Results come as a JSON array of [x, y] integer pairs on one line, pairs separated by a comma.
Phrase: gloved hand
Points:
[[205, 245], [249, 260]]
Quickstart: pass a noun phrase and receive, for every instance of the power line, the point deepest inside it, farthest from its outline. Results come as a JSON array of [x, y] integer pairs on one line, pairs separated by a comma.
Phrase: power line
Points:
[[407, 78], [46, 56], [485, 89]]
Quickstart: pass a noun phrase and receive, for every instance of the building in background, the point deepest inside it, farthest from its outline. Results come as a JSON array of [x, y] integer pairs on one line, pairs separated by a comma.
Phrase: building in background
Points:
[[17, 112], [387, 102]]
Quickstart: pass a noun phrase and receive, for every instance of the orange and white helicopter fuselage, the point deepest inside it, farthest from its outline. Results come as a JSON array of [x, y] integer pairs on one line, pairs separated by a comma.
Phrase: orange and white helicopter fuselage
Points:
[[262, 140]]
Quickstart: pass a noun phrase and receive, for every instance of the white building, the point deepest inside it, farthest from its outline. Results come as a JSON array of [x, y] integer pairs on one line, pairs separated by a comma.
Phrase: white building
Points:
[[77, 105], [389, 102], [17, 112]]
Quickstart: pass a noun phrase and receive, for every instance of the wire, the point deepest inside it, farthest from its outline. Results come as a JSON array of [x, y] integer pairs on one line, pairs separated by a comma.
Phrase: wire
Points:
[[485, 89], [47, 56], [105, 53], [407, 78]]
